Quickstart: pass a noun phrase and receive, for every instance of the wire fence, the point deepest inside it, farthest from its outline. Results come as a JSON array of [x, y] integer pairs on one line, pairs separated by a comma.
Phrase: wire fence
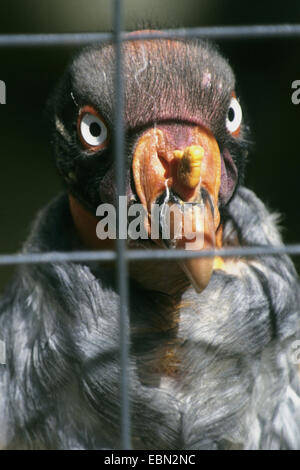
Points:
[[212, 32], [122, 256], [144, 255]]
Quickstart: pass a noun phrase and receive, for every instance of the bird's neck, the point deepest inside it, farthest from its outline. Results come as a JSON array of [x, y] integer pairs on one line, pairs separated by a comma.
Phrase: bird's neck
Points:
[[160, 276], [166, 277], [85, 224]]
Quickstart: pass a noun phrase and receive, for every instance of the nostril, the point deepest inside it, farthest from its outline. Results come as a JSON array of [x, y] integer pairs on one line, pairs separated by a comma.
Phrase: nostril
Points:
[[165, 164]]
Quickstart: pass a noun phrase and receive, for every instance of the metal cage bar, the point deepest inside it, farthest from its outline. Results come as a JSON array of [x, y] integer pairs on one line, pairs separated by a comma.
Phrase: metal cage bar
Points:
[[122, 262], [142, 255], [210, 32]]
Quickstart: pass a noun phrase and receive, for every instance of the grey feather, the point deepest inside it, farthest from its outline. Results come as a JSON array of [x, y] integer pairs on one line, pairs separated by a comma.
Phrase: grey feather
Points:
[[238, 387]]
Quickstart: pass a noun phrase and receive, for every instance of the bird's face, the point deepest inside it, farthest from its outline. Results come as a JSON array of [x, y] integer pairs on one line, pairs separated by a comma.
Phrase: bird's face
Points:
[[184, 133]]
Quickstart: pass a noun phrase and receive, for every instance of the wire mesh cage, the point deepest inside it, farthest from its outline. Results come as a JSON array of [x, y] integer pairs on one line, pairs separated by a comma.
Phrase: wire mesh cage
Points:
[[122, 256]]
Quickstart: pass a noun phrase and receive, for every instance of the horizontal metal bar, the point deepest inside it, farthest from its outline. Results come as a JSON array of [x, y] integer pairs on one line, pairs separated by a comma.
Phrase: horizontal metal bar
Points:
[[249, 251], [62, 39], [143, 255], [223, 32], [210, 32], [56, 257]]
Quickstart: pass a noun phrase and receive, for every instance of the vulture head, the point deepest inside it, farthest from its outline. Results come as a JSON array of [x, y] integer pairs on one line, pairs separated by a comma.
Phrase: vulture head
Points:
[[184, 142]]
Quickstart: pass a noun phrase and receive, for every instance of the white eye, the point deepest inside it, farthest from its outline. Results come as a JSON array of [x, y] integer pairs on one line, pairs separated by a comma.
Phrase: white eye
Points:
[[93, 131], [234, 116]]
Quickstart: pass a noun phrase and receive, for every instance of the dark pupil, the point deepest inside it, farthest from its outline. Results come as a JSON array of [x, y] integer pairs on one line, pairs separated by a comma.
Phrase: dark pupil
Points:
[[95, 129], [231, 114]]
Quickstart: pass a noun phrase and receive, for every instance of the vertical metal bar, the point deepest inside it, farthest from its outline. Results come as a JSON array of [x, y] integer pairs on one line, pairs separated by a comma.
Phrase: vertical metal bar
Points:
[[122, 264]]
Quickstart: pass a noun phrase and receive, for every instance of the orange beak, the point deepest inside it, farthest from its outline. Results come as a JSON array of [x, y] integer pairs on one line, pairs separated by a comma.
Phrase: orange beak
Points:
[[188, 172]]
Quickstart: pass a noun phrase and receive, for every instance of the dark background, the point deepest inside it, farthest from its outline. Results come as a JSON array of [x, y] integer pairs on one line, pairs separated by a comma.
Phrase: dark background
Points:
[[265, 70]]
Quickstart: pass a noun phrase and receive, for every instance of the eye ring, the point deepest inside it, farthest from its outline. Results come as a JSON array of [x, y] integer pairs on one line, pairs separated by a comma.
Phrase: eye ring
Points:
[[91, 129], [234, 117]]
